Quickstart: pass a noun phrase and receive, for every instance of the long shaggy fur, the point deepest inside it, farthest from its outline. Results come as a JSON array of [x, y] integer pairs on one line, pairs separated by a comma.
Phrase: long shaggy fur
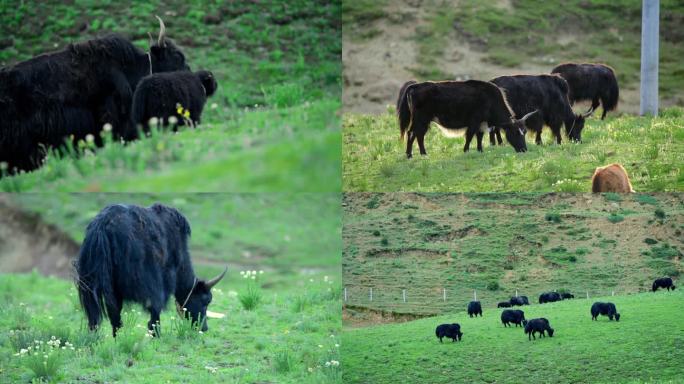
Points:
[[134, 254], [403, 109], [611, 178], [592, 82], [157, 96], [71, 93]]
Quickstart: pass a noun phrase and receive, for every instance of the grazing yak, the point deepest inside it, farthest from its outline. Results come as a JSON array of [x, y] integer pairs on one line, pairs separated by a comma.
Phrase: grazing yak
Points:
[[606, 309], [519, 301], [547, 94], [474, 309], [593, 82], [474, 105], [664, 282], [611, 178], [540, 325], [503, 304], [452, 331], [159, 94], [514, 316], [72, 93], [138, 254], [549, 297], [566, 295]]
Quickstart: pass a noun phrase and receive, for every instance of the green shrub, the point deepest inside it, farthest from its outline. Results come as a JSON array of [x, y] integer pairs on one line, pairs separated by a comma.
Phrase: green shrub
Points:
[[660, 214], [384, 241], [615, 218], [283, 361], [376, 233], [650, 241], [493, 286], [553, 217], [612, 196], [374, 202]]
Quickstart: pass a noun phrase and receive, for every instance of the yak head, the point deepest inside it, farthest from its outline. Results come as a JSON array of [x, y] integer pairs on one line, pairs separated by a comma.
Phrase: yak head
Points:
[[197, 303], [208, 81], [617, 316], [164, 54], [515, 132], [575, 132], [550, 330]]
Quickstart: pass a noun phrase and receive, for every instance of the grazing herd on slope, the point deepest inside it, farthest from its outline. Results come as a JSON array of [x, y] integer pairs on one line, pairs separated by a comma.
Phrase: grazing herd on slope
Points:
[[511, 103], [73, 93], [541, 326]]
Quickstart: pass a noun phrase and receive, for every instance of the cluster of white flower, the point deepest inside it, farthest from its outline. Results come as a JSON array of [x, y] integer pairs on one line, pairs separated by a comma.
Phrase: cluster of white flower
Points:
[[332, 363], [211, 369], [39, 346], [250, 274]]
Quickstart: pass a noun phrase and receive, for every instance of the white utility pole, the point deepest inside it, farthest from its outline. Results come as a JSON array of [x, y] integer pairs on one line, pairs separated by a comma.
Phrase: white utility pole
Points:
[[650, 12]]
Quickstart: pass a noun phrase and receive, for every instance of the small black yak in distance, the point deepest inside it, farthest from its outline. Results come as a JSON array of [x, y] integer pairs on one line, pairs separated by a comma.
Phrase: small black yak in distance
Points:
[[593, 82], [503, 304], [549, 297], [519, 301], [138, 254], [540, 325], [451, 331], [606, 309], [158, 96], [474, 105], [73, 93], [547, 94], [566, 296], [512, 316], [474, 309], [664, 282]]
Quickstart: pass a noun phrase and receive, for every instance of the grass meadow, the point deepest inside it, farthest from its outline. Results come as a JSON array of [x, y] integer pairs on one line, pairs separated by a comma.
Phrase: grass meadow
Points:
[[282, 326], [645, 346], [273, 124], [649, 148]]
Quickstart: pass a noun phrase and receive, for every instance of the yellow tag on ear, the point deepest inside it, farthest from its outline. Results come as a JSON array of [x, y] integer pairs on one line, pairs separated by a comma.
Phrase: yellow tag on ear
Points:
[[215, 315]]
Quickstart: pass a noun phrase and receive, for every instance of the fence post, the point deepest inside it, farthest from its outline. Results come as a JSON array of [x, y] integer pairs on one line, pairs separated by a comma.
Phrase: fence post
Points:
[[444, 294], [613, 293], [516, 293], [371, 294], [475, 294], [649, 57], [345, 294], [403, 293], [587, 294]]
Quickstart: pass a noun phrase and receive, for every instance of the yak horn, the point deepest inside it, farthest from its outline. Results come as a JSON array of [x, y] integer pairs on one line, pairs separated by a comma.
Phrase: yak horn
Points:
[[216, 279], [162, 32], [151, 40], [529, 115], [588, 113]]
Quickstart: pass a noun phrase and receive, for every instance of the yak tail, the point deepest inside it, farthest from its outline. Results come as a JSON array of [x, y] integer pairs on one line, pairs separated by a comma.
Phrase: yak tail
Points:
[[93, 269], [405, 108], [612, 95]]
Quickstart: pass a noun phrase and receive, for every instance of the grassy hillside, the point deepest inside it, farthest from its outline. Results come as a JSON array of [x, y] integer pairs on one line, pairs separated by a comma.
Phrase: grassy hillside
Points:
[[288, 338], [645, 346], [649, 148], [497, 243], [274, 114]]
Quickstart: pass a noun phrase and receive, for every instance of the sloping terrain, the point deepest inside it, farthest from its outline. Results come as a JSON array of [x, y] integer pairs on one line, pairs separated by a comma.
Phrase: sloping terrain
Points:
[[386, 43], [441, 249]]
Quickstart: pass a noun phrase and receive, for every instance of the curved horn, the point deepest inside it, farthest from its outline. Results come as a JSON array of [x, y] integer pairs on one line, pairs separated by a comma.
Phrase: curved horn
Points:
[[216, 279], [162, 32], [529, 115], [588, 113]]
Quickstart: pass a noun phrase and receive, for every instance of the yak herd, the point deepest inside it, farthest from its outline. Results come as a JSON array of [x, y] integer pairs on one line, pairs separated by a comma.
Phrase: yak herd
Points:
[[512, 103], [71, 94], [541, 326]]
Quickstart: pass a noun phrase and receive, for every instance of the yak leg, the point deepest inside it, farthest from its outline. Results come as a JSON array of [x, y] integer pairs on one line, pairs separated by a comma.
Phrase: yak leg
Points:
[[409, 144], [421, 142], [114, 313], [470, 132], [538, 139], [153, 324], [480, 135]]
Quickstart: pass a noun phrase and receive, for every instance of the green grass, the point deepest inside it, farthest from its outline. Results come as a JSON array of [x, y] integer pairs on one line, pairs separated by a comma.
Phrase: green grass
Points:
[[495, 244], [645, 346], [374, 158], [274, 126], [243, 347]]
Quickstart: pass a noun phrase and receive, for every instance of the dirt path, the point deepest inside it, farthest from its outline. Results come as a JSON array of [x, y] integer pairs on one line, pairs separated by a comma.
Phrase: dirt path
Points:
[[376, 67]]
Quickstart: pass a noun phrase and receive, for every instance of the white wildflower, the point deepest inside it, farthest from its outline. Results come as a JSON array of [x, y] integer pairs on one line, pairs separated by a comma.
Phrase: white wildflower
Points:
[[107, 127]]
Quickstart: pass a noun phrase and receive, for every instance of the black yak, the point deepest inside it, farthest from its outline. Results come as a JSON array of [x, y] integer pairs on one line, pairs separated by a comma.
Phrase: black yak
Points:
[[514, 316], [474, 309], [138, 254], [611, 178], [663, 282], [474, 105], [540, 325], [606, 309], [72, 93], [519, 301], [547, 94], [593, 82], [567, 295], [549, 297], [452, 331], [158, 95], [503, 304]]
